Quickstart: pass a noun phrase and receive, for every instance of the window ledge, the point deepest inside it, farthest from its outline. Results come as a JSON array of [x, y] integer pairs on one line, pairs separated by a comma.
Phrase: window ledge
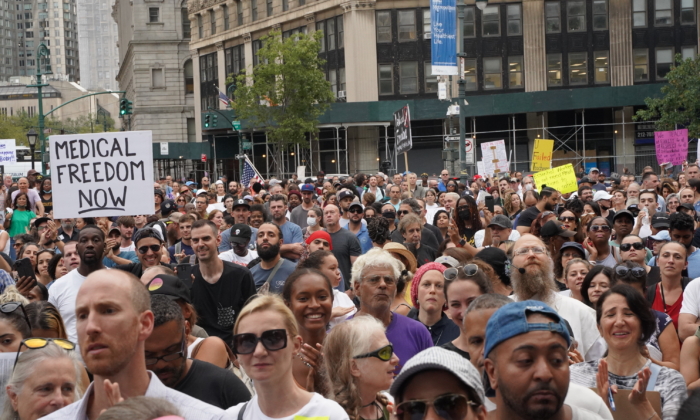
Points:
[[155, 23], [158, 88]]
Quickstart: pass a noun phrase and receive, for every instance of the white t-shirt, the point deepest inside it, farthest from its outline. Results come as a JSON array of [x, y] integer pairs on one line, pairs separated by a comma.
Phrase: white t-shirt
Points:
[[131, 247], [317, 407], [231, 256], [63, 294], [479, 237], [691, 298], [343, 300]]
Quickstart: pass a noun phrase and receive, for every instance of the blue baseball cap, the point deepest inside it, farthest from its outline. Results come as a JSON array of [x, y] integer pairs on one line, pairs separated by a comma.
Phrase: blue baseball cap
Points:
[[511, 320], [661, 236], [308, 188]]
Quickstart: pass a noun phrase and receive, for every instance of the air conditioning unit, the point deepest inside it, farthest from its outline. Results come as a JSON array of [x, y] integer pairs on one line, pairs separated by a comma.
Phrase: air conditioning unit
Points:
[[427, 35], [341, 94]]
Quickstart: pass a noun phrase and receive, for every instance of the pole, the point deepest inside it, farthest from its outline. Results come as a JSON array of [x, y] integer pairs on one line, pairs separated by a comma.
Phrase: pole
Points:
[[462, 97], [405, 161]]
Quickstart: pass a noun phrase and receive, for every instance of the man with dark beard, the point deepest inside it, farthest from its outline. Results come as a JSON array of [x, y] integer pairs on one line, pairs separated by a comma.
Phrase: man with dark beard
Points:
[[549, 198], [532, 277], [113, 254], [272, 268], [201, 380], [534, 390]]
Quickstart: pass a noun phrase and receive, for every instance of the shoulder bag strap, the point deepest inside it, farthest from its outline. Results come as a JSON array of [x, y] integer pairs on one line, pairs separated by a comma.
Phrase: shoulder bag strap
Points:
[[274, 270], [240, 413]]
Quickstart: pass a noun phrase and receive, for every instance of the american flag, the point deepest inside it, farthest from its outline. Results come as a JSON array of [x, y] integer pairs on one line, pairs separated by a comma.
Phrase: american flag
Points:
[[222, 97], [250, 173]]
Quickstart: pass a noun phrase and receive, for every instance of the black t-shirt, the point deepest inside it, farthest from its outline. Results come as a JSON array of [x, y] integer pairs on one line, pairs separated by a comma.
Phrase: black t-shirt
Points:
[[611, 215], [213, 385], [528, 216], [218, 304], [450, 346]]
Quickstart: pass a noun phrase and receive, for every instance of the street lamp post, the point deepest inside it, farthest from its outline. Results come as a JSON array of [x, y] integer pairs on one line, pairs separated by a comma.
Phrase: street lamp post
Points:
[[31, 139], [42, 52]]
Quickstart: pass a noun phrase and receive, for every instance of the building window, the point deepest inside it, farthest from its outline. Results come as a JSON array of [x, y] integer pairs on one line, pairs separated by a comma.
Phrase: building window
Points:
[[492, 73], [212, 21], [301, 2], [515, 25], [554, 70], [269, 8], [208, 78], [431, 82], [576, 16], [224, 11], [341, 79], [191, 130], [257, 44], [254, 9], [426, 21], [641, 65], [490, 21], [319, 27], [552, 13], [600, 15], [341, 32], [663, 13], [408, 77], [383, 27], [664, 62], [157, 80], [235, 60], [407, 25], [239, 13], [189, 77], [469, 29], [515, 72], [601, 60], [333, 79], [153, 14], [687, 11], [386, 79], [639, 13], [688, 53], [186, 29], [578, 69], [200, 26], [470, 74], [330, 34], [285, 5]]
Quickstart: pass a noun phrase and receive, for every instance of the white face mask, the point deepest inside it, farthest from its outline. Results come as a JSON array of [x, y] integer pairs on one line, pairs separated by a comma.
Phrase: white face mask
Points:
[[311, 221]]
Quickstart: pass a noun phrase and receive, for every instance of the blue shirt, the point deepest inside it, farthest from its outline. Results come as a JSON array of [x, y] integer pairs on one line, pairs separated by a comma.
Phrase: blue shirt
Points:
[[363, 237], [260, 275], [127, 255], [291, 233], [184, 248], [441, 186], [5, 281]]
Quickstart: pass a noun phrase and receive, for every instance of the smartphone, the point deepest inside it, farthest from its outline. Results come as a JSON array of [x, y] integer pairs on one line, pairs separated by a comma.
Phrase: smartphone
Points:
[[184, 273], [489, 201], [24, 268]]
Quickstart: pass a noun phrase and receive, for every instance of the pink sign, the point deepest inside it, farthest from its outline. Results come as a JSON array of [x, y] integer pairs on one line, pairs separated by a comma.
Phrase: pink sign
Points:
[[671, 146]]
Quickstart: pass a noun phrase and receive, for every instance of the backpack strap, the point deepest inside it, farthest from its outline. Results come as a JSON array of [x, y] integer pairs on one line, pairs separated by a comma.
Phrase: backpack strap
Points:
[[240, 413]]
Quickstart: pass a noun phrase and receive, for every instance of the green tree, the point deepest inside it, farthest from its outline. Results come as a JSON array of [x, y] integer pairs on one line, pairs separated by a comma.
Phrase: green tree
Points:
[[287, 92], [680, 103], [17, 126]]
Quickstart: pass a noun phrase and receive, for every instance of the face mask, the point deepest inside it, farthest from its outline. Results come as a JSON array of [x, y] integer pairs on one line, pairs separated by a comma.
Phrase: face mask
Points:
[[311, 221], [464, 214], [389, 215], [528, 187], [47, 192], [367, 219]]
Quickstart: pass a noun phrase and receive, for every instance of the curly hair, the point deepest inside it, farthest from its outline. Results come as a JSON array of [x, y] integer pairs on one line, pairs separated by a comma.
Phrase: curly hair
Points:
[[508, 202], [378, 229], [473, 215]]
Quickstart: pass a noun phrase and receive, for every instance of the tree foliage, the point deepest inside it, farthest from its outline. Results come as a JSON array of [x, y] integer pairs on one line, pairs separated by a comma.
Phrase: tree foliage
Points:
[[680, 103], [17, 126], [287, 92]]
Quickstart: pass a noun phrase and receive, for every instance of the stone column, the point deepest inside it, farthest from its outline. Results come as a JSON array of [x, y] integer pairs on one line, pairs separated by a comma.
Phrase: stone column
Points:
[[624, 139], [248, 50], [362, 149], [221, 70], [535, 56], [621, 66], [197, 95], [360, 51], [310, 23]]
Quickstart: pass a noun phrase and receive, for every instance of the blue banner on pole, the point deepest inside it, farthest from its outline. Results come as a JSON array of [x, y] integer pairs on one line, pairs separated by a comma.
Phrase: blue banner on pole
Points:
[[443, 28]]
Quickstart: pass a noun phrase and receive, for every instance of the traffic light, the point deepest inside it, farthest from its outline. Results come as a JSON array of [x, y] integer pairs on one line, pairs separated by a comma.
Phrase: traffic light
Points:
[[207, 120], [214, 120], [125, 107]]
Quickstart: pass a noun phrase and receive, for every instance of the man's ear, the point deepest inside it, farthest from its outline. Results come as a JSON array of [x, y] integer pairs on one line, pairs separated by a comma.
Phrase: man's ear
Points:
[[490, 369]]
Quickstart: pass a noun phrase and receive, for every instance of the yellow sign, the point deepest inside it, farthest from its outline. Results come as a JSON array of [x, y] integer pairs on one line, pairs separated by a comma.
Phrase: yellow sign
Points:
[[542, 155], [561, 178]]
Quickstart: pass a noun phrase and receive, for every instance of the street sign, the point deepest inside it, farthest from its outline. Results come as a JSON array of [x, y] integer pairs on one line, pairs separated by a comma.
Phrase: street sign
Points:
[[247, 145], [236, 125], [164, 148], [469, 149], [204, 157], [451, 138]]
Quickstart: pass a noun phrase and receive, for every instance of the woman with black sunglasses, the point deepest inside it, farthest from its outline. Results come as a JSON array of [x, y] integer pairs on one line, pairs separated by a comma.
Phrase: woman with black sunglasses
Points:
[[266, 340], [598, 243], [632, 249], [363, 362]]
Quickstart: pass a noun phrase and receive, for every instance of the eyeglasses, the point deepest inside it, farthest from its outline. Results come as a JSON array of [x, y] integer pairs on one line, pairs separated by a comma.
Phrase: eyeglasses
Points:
[[571, 255], [272, 340], [10, 307], [636, 272], [636, 245], [604, 228], [150, 361], [402, 212], [537, 250], [469, 270], [39, 343], [144, 249], [448, 407], [567, 219], [384, 354]]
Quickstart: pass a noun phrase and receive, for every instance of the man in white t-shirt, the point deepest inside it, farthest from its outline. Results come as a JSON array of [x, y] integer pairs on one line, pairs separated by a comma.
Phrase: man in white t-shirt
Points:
[[90, 247], [239, 253]]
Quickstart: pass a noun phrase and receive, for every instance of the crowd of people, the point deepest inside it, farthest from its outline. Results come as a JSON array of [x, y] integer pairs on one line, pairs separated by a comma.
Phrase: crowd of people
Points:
[[360, 297]]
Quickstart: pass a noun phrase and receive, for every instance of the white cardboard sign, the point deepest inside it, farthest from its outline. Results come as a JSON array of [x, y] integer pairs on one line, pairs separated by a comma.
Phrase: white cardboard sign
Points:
[[8, 151], [494, 157], [102, 174]]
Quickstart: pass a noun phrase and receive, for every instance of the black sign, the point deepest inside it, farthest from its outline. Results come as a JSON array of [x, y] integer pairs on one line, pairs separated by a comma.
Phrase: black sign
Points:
[[402, 130]]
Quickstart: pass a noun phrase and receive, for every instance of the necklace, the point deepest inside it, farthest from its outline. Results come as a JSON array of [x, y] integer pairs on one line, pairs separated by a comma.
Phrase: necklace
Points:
[[663, 298]]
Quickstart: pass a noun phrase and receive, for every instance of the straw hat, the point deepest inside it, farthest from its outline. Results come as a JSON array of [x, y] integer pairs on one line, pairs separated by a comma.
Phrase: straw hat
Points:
[[402, 254]]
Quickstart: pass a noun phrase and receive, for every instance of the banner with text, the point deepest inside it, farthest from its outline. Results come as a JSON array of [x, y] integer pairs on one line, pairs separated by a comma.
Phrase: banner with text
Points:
[[443, 37], [402, 130], [102, 174], [542, 155], [495, 158], [8, 151], [671, 146], [562, 178]]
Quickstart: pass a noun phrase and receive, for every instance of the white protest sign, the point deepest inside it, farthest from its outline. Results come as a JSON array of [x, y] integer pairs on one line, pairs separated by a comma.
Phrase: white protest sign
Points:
[[495, 158], [8, 151], [102, 174], [480, 168]]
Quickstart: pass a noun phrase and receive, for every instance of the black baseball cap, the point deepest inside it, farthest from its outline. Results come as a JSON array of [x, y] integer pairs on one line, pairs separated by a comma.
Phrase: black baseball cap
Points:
[[240, 202], [688, 206], [660, 220], [171, 286], [167, 207], [240, 234], [553, 228], [623, 213], [345, 194], [40, 220]]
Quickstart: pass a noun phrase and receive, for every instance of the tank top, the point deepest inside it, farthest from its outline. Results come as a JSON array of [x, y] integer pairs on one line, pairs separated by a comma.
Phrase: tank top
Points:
[[193, 346], [48, 204]]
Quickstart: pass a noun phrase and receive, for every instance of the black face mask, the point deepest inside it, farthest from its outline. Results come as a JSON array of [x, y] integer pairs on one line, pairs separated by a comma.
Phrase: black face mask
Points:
[[389, 215], [464, 214]]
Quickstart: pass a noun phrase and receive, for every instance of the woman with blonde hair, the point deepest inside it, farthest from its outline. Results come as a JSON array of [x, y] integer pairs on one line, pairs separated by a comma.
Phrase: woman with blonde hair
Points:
[[45, 320], [513, 204], [266, 340], [362, 361]]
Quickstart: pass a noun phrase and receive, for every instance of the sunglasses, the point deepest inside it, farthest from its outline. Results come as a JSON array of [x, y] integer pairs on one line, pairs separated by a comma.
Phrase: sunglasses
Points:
[[272, 340], [144, 249], [469, 270], [637, 272], [448, 407], [39, 343], [604, 228], [356, 210], [636, 245], [402, 212], [384, 354], [10, 307], [567, 219]]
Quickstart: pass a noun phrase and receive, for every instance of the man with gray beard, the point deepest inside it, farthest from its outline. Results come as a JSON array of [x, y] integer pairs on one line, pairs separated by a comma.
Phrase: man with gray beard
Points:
[[67, 231], [532, 277]]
